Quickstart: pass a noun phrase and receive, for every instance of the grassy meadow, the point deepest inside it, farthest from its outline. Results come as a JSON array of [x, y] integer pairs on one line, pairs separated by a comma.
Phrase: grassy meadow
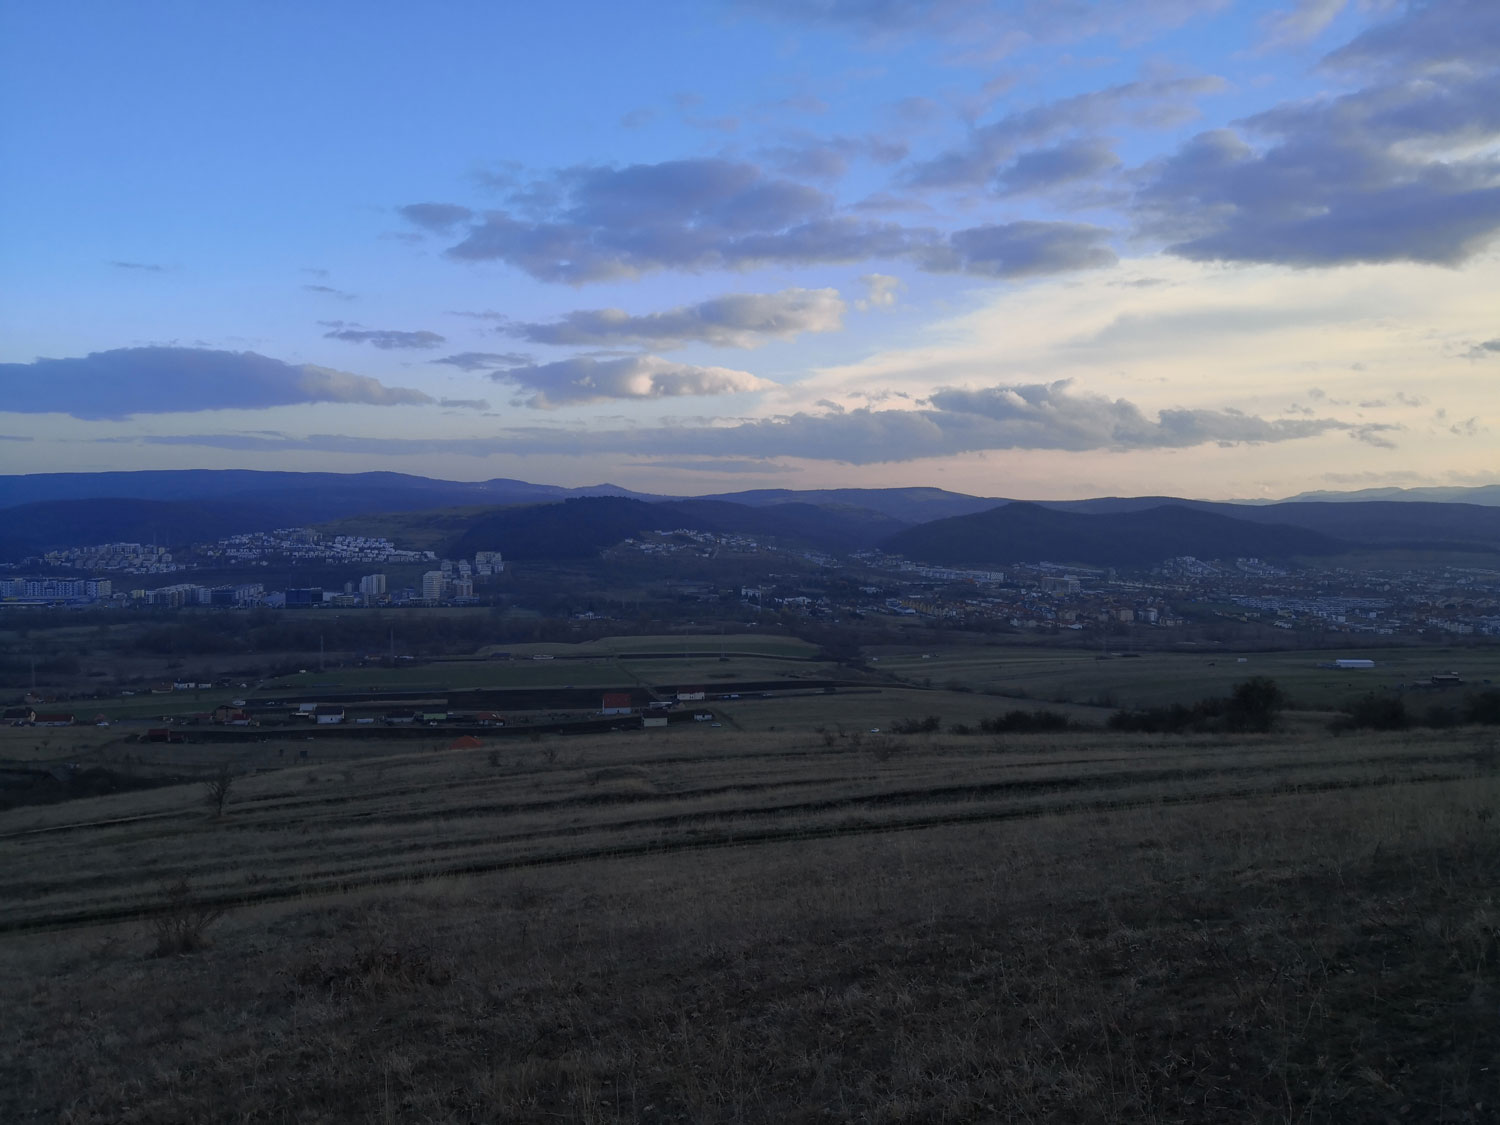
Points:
[[713, 925]]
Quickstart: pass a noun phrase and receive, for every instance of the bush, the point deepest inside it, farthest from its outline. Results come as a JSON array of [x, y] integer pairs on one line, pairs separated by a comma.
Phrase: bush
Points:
[[926, 725], [1483, 707], [1252, 706], [181, 924], [1374, 711], [1026, 722]]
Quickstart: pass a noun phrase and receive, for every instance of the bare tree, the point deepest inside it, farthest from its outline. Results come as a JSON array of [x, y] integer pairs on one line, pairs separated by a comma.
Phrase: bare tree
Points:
[[216, 789]]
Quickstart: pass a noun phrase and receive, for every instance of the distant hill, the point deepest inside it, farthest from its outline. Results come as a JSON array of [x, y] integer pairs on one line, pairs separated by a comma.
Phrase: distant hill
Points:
[[1413, 523], [582, 527], [911, 505], [1023, 532], [304, 497], [1486, 494], [40, 512], [33, 529]]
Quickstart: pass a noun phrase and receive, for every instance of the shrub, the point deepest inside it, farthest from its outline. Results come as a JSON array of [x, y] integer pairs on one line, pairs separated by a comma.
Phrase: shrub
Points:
[[1374, 711], [1252, 706], [180, 925], [917, 726], [216, 789], [1025, 722], [1483, 707]]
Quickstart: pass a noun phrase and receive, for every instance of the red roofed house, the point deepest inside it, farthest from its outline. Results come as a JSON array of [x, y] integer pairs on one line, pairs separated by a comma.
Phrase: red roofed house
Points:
[[616, 703]]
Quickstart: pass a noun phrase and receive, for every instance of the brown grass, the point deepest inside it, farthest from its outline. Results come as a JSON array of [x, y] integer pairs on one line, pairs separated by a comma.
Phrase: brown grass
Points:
[[1077, 928]]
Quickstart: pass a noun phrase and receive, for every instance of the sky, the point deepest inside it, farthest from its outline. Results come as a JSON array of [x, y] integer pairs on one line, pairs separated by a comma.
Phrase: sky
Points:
[[1043, 249]]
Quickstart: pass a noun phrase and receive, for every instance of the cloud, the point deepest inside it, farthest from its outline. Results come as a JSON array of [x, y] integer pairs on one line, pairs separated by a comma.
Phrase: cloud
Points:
[[1304, 21], [1400, 169], [827, 158], [480, 361], [1484, 350], [1023, 416], [986, 28], [740, 320], [1023, 249], [465, 403], [143, 267], [1148, 103], [1046, 168], [1426, 36], [440, 218], [385, 339], [584, 379], [725, 465], [599, 224], [163, 380], [330, 291], [880, 291]]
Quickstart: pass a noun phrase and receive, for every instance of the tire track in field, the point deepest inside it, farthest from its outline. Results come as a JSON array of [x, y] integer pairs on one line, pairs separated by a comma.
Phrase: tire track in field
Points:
[[336, 884]]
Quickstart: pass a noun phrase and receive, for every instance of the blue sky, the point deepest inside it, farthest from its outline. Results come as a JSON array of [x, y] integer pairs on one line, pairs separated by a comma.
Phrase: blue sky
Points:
[[1015, 248]]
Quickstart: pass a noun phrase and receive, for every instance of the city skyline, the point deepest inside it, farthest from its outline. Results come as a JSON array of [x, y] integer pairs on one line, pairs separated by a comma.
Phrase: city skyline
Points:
[[1217, 249]]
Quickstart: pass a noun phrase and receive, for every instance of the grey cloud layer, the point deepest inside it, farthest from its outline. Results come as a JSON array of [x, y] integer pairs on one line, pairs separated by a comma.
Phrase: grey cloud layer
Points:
[[1027, 416], [157, 380], [741, 320], [1018, 136], [596, 224], [485, 361], [385, 339], [584, 379], [1403, 168]]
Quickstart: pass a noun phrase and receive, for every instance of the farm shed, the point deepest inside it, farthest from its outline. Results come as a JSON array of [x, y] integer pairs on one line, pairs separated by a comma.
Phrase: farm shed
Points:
[[615, 703]]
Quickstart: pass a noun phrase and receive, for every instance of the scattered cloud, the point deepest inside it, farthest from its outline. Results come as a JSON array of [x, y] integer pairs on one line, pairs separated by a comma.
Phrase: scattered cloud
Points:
[[1148, 103], [166, 380], [828, 158], [1402, 168], [584, 379], [1303, 22], [1022, 249], [740, 320], [616, 223], [880, 291], [142, 267], [1026, 416], [486, 361], [724, 465], [465, 403], [1044, 169], [1484, 350], [330, 291], [440, 218], [384, 338]]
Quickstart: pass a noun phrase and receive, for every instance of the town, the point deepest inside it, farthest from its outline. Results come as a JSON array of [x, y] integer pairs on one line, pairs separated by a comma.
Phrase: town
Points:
[[741, 574]]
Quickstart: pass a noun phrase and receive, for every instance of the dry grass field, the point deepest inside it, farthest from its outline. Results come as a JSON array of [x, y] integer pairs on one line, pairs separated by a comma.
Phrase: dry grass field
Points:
[[700, 924]]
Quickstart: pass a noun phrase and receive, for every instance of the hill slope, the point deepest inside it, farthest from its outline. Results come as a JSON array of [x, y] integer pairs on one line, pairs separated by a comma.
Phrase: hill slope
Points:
[[33, 529], [583, 527], [1022, 532]]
